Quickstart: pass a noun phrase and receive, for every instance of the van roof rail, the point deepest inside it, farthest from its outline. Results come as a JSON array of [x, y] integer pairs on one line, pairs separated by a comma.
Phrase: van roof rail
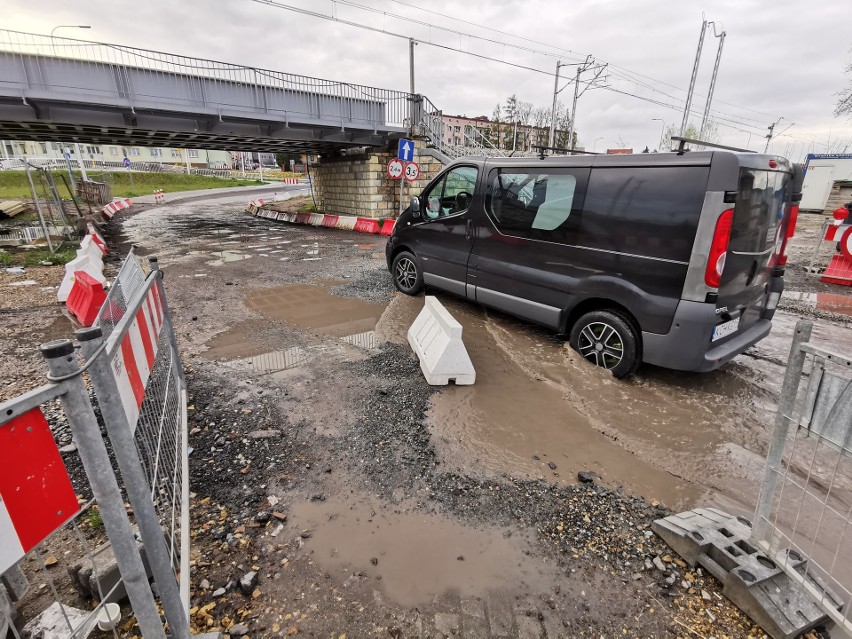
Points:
[[684, 141], [556, 148]]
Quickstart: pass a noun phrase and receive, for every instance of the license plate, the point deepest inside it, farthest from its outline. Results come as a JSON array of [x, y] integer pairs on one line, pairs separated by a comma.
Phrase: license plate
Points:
[[723, 330]]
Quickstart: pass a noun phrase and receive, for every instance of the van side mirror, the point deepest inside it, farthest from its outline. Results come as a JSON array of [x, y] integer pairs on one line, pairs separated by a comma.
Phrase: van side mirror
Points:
[[415, 206]]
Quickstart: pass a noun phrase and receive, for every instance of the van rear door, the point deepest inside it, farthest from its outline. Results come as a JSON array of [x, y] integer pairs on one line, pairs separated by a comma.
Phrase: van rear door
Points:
[[762, 212]]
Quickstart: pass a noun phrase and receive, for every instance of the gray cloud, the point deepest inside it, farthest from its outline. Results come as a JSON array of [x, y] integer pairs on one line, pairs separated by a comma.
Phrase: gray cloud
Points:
[[780, 59]]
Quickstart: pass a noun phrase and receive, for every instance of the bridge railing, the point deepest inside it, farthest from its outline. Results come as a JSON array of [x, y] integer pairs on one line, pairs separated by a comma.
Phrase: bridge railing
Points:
[[139, 77]]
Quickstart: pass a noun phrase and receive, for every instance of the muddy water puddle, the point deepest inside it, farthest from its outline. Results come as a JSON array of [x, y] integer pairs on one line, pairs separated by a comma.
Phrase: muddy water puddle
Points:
[[307, 307], [314, 309], [416, 555], [523, 418]]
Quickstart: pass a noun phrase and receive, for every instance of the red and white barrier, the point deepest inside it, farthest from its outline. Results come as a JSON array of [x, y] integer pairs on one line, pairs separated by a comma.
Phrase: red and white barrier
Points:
[[159, 196], [345, 222], [290, 180], [36, 495], [92, 265], [116, 205], [135, 359]]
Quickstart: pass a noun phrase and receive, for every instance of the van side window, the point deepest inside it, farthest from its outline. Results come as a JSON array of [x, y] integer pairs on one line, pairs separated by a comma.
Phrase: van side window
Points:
[[452, 193], [532, 203]]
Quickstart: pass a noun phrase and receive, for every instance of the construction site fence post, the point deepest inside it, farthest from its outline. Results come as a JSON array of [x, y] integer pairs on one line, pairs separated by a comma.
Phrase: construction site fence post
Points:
[[62, 363]]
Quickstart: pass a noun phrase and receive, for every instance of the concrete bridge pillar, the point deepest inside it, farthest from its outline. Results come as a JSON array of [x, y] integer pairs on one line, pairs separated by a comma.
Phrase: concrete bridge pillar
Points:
[[359, 184]]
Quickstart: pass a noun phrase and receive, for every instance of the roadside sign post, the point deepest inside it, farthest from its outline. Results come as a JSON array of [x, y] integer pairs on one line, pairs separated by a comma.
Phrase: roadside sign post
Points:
[[129, 172], [404, 155]]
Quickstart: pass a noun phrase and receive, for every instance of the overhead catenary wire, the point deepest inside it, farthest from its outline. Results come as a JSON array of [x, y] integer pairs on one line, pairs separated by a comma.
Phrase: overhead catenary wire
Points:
[[556, 52]]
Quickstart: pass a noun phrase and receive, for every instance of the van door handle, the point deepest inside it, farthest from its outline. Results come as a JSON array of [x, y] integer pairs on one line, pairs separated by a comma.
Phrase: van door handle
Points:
[[469, 233]]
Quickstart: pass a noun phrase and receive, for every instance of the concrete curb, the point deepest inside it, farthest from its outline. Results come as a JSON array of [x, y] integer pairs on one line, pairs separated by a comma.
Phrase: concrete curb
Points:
[[366, 225]]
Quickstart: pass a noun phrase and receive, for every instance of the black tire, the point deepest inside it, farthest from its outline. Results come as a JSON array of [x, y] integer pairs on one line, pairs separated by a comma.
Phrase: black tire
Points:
[[608, 339], [407, 274]]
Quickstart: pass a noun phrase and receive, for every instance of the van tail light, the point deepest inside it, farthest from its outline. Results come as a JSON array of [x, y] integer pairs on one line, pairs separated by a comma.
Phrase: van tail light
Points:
[[791, 230], [718, 249], [794, 217]]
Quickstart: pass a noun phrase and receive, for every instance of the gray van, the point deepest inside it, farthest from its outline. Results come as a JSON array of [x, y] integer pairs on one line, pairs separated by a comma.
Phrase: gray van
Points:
[[674, 259]]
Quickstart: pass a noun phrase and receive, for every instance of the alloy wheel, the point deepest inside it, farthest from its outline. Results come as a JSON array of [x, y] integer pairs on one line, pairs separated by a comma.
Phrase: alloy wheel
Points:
[[600, 343], [406, 273]]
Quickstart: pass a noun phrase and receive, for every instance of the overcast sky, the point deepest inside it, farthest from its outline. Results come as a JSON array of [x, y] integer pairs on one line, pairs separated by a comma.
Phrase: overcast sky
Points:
[[781, 58]]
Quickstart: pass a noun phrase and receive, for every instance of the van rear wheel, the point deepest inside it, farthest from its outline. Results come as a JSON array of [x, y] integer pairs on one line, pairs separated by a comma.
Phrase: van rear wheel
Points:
[[407, 276], [607, 339]]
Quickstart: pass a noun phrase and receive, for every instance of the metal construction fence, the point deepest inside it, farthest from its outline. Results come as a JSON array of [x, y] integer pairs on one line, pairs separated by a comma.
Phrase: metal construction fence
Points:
[[130, 434], [802, 520]]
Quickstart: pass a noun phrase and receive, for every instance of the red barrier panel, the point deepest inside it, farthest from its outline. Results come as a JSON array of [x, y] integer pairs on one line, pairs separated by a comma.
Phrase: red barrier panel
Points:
[[366, 225], [387, 227], [303, 218], [838, 271], [330, 221], [86, 297]]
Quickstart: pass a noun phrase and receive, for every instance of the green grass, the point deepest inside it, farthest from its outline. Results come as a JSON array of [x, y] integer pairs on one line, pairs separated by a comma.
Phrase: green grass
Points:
[[14, 185], [34, 257]]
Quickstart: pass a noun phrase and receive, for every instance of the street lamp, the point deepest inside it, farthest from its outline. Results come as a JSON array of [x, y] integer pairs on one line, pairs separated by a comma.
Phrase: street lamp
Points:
[[66, 26], [663, 130], [595, 143]]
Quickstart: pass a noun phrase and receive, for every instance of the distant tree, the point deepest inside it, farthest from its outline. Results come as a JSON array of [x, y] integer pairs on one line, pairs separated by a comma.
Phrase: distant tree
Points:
[[710, 134], [496, 135], [844, 97], [283, 160]]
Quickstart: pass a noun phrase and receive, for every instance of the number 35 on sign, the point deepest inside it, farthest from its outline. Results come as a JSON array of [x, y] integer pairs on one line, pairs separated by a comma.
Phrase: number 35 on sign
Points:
[[412, 171]]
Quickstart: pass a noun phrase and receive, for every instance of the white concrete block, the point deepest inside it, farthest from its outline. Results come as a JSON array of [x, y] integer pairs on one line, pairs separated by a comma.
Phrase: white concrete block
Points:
[[83, 262], [436, 338]]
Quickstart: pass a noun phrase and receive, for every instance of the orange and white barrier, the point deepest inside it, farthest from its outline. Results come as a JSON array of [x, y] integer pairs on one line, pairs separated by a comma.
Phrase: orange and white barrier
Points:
[[159, 196], [134, 360]]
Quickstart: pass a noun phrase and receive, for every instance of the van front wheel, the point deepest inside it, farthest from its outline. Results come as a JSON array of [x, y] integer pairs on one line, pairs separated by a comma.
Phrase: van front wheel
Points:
[[407, 276], [609, 340]]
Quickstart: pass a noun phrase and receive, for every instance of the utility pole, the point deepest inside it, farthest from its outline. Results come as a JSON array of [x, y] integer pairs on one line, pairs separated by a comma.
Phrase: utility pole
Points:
[[693, 78], [712, 81], [411, 107], [580, 69], [551, 136], [771, 132]]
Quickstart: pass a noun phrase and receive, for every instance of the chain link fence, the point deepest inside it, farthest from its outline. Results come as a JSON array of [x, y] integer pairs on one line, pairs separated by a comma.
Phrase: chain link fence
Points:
[[138, 389], [802, 520]]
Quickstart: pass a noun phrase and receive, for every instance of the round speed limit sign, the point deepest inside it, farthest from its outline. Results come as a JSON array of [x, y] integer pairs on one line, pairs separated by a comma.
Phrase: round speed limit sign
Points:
[[395, 169], [412, 171]]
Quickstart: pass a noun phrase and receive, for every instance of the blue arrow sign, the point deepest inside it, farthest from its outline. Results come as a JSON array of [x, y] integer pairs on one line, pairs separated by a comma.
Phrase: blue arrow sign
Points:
[[405, 150]]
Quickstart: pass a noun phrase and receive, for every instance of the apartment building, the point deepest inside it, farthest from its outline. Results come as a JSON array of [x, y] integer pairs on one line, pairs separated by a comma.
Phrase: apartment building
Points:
[[504, 135], [197, 158]]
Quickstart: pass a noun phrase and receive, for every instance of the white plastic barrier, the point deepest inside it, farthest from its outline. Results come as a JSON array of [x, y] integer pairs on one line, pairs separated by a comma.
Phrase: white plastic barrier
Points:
[[83, 262], [90, 247], [436, 338], [316, 219]]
